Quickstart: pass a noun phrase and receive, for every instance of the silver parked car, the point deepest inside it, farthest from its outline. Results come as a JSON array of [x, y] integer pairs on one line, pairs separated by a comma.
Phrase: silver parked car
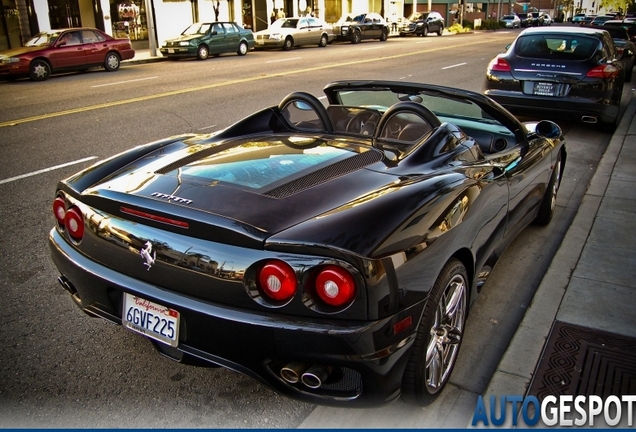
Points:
[[511, 21], [286, 33]]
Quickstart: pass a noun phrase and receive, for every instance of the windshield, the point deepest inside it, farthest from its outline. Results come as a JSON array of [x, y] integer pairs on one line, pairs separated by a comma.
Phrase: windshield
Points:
[[284, 23], [417, 16], [508, 17], [440, 104], [42, 39], [196, 29]]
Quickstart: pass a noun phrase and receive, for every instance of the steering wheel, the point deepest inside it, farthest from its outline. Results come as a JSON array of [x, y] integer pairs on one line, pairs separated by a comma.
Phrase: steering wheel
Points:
[[313, 102], [358, 122], [406, 107]]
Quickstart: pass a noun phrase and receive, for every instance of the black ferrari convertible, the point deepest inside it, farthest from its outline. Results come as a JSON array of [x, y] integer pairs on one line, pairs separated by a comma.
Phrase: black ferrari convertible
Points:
[[330, 252]]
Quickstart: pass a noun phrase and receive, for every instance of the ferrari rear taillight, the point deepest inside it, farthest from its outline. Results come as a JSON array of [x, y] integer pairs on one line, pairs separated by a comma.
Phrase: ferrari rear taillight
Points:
[[74, 223], [70, 219], [277, 280], [335, 286], [59, 210], [499, 65], [604, 72]]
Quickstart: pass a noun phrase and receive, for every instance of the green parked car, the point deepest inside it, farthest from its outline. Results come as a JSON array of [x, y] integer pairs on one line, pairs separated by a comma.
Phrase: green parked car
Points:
[[202, 40]]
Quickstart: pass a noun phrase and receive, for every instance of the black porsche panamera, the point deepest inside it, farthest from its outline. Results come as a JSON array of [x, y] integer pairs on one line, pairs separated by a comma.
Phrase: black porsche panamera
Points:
[[330, 252]]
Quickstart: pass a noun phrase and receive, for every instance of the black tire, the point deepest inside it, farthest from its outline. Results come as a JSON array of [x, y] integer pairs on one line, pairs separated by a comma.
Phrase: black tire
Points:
[[356, 37], [445, 317], [39, 70], [425, 31], [548, 203], [288, 44], [203, 52], [440, 30], [323, 41], [112, 62], [242, 48], [384, 36]]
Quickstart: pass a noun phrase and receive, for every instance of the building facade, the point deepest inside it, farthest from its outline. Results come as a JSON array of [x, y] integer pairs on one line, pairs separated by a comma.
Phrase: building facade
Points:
[[164, 19]]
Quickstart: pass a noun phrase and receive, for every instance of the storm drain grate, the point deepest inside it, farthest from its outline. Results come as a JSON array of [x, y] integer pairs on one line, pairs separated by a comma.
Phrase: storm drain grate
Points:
[[578, 360]]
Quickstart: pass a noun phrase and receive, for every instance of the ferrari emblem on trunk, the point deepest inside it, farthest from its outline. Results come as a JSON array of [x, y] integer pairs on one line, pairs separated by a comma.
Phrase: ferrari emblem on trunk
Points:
[[145, 254]]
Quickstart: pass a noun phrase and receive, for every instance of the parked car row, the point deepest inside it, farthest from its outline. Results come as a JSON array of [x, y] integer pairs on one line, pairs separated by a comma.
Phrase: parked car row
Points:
[[530, 19]]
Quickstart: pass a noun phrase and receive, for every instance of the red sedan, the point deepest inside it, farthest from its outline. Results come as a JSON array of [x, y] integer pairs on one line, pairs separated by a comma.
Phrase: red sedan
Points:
[[64, 50]]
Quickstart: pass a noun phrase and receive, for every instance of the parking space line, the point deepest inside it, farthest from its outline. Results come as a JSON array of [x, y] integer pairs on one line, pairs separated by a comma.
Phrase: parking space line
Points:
[[46, 170], [454, 66], [124, 82], [372, 48], [282, 60]]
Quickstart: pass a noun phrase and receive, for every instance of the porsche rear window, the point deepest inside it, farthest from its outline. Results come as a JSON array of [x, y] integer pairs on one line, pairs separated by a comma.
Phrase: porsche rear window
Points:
[[557, 46], [257, 166]]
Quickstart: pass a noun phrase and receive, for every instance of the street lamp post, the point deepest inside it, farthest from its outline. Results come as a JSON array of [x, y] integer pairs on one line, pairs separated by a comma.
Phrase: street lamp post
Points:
[[152, 45]]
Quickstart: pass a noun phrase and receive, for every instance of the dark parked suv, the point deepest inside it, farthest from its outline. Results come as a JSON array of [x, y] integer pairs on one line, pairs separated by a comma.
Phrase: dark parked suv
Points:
[[536, 19], [526, 19], [423, 23], [573, 72]]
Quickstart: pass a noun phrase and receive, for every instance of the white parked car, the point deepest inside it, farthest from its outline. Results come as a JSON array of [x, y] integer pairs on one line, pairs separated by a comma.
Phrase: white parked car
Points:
[[547, 19]]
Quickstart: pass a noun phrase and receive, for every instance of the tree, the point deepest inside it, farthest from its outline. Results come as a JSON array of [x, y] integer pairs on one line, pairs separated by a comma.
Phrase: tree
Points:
[[216, 4], [616, 5]]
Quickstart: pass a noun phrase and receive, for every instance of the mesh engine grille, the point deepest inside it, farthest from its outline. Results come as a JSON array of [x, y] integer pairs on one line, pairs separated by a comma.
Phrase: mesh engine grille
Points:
[[325, 174]]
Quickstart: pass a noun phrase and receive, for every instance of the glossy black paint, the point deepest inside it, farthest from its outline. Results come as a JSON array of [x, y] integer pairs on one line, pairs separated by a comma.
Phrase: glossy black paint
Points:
[[581, 95], [390, 212]]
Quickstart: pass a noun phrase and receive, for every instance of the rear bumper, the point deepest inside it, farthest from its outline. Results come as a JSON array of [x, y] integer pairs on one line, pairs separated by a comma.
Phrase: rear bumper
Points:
[[366, 360]]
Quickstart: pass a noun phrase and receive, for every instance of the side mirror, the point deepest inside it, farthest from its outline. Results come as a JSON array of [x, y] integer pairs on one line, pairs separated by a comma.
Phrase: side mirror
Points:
[[548, 129]]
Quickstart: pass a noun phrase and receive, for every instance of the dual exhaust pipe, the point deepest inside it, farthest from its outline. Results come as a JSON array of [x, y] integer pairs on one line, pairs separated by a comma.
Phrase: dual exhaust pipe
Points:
[[589, 119], [312, 376]]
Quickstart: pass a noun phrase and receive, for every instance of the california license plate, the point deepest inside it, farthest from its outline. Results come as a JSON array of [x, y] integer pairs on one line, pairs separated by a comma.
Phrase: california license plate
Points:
[[544, 89], [170, 51], [151, 319]]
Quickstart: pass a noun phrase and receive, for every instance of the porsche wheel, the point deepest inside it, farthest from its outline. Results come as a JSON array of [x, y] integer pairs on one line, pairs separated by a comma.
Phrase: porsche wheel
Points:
[[323, 41], [439, 336], [203, 52], [112, 62], [288, 44], [425, 31], [384, 36], [548, 204], [440, 31], [39, 70], [356, 37], [242, 49]]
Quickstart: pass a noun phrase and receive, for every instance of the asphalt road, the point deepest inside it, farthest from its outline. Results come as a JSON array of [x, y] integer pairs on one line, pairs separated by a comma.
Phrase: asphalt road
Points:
[[60, 368]]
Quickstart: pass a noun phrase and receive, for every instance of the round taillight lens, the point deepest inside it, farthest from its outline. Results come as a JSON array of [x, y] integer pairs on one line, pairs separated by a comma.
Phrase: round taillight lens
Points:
[[74, 223], [335, 286], [277, 280], [59, 209]]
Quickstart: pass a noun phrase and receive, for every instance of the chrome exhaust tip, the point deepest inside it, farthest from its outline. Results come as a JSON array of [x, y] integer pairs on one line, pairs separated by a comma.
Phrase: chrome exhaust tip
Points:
[[316, 376], [292, 371], [589, 119], [67, 285]]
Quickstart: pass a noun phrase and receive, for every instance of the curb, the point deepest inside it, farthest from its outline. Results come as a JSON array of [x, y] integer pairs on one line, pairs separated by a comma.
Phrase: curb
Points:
[[516, 367]]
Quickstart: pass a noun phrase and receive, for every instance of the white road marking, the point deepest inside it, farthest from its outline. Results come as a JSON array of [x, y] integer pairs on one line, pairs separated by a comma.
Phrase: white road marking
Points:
[[46, 170], [372, 48], [282, 60], [424, 41], [207, 127], [124, 82], [454, 66]]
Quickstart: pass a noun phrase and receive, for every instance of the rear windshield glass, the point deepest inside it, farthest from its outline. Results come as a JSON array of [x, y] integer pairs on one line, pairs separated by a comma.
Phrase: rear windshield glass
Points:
[[257, 164], [557, 46]]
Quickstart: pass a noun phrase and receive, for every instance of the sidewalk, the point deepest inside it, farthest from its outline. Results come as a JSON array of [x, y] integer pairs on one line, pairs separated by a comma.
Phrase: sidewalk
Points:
[[590, 283], [143, 56]]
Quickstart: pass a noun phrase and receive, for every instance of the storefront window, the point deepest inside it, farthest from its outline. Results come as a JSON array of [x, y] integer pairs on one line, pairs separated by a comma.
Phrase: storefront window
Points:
[[129, 19]]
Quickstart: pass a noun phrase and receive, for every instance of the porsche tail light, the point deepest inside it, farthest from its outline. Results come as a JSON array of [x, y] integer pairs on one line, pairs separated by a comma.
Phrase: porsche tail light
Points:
[[59, 210], [74, 222], [604, 72], [277, 280], [335, 286], [499, 65]]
